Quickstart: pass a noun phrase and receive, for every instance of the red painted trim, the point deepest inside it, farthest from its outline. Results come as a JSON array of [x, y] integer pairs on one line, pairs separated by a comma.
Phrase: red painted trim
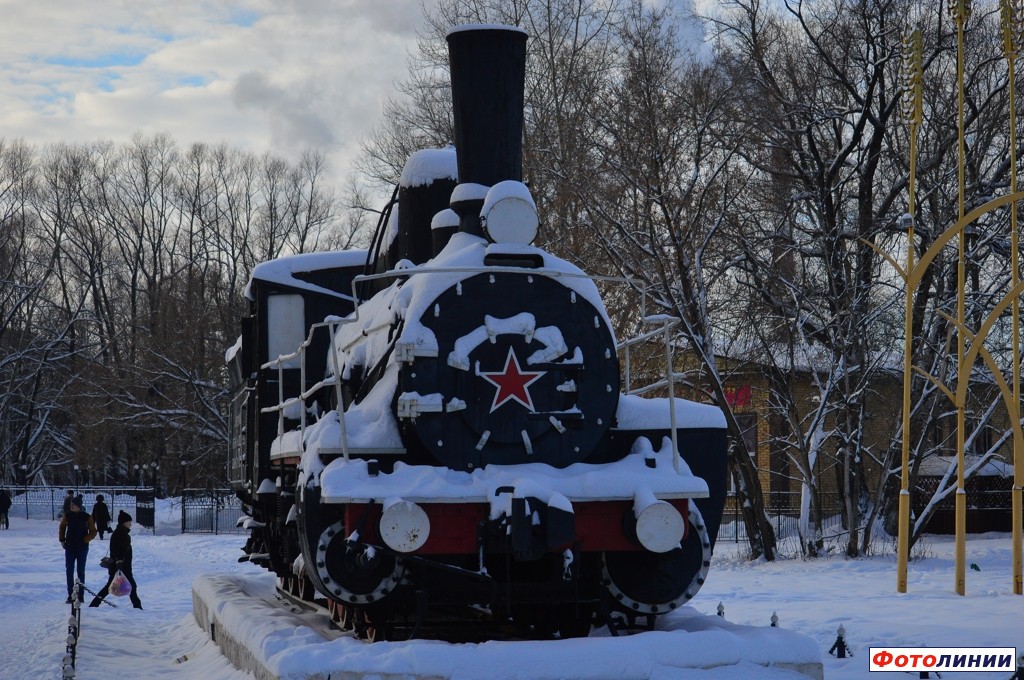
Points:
[[600, 525]]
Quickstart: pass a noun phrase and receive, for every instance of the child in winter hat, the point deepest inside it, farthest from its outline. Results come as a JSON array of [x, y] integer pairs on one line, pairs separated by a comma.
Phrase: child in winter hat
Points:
[[123, 517]]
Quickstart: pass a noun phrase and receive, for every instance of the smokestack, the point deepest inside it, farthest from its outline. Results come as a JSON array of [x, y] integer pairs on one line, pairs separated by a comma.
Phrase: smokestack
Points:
[[488, 72]]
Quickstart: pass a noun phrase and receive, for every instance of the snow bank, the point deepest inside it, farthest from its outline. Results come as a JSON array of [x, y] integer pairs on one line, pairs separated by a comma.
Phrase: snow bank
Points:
[[810, 596], [274, 642]]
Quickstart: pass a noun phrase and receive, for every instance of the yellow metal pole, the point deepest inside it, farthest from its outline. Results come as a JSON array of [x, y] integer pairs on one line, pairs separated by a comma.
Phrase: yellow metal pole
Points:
[[911, 105], [1011, 15], [1010, 395], [960, 9]]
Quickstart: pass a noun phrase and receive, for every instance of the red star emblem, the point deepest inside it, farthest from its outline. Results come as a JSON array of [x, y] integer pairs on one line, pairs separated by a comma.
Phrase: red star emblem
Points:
[[511, 382]]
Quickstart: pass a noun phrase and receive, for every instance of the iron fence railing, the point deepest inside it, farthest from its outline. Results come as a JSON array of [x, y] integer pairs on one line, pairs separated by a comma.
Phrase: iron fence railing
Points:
[[988, 510], [783, 510], [210, 511], [47, 502]]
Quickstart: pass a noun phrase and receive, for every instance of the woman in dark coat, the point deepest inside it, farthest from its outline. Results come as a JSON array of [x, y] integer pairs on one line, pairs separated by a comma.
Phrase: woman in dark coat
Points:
[[5, 509], [101, 515], [121, 557]]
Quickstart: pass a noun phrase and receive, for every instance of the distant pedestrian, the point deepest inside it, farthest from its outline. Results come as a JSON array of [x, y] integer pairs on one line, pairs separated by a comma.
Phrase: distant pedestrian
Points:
[[101, 515], [121, 558], [67, 502], [5, 509], [76, 530]]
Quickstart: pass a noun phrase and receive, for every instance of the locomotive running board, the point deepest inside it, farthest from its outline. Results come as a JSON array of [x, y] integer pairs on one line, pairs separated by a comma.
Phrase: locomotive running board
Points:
[[366, 451]]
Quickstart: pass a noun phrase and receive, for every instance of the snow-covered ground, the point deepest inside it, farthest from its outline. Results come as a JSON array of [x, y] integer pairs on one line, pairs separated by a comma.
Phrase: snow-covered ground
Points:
[[811, 597]]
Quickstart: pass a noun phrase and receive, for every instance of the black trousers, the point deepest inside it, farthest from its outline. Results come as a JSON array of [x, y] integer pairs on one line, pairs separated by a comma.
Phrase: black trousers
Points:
[[134, 595]]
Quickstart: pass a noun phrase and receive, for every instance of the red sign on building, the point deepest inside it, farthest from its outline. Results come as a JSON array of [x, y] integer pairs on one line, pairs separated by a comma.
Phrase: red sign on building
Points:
[[738, 397]]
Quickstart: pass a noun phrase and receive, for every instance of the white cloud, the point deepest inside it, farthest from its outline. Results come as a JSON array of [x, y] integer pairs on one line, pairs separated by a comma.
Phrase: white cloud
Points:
[[268, 75]]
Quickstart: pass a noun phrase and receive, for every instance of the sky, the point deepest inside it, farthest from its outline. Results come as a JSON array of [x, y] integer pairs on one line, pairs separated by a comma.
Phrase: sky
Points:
[[267, 75], [811, 599]]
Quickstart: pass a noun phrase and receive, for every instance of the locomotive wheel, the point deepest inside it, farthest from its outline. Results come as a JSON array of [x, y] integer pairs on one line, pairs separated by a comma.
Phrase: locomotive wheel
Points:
[[299, 587], [353, 572], [341, 615], [370, 627], [656, 583], [344, 617]]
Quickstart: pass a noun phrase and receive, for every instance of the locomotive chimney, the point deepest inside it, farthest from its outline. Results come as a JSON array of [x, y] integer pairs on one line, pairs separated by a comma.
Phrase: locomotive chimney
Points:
[[488, 72]]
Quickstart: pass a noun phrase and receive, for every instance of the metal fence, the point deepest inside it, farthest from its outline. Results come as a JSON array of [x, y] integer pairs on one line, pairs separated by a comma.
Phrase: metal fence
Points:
[[988, 503], [47, 502], [206, 511], [783, 510]]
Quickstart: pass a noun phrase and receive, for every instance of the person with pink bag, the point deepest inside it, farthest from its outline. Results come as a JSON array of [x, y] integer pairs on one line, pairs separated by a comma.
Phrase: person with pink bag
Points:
[[120, 564]]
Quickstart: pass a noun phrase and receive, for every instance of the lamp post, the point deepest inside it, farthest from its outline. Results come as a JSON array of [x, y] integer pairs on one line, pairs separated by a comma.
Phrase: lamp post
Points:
[[77, 477], [24, 481], [138, 482]]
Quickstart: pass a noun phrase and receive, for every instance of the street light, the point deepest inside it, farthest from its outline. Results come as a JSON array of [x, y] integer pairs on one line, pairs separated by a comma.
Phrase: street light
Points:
[[139, 474], [24, 481], [76, 477]]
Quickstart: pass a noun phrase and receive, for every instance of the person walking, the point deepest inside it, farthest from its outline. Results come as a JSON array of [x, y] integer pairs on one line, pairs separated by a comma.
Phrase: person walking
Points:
[[121, 559], [67, 503], [5, 509], [101, 515], [75, 532]]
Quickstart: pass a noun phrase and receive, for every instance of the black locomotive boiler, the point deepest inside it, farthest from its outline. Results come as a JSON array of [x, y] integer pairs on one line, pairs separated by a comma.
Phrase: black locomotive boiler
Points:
[[434, 429]]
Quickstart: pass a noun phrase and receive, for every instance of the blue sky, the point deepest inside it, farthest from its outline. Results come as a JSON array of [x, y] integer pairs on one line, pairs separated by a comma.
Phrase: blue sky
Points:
[[266, 75]]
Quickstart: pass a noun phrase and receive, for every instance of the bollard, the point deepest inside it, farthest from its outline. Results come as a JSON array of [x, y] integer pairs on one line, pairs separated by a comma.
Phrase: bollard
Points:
[[839, 646], [721, 610], [775, 620], [74, 623]]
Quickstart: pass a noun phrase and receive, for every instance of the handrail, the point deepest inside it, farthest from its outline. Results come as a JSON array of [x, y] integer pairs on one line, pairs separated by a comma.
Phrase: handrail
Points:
[[331, 323], [667, 323]]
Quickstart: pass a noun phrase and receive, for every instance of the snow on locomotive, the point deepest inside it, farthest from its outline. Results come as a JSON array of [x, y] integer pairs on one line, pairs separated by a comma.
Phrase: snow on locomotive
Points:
[[451, 440]]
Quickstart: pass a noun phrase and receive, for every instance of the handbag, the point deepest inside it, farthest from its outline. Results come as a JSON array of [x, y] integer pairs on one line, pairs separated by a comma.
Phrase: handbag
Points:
[[120, 586], [106, 562]]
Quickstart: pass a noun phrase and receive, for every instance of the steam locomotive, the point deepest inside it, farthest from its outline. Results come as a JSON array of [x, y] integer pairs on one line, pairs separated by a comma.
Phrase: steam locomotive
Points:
[[434, 429]]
